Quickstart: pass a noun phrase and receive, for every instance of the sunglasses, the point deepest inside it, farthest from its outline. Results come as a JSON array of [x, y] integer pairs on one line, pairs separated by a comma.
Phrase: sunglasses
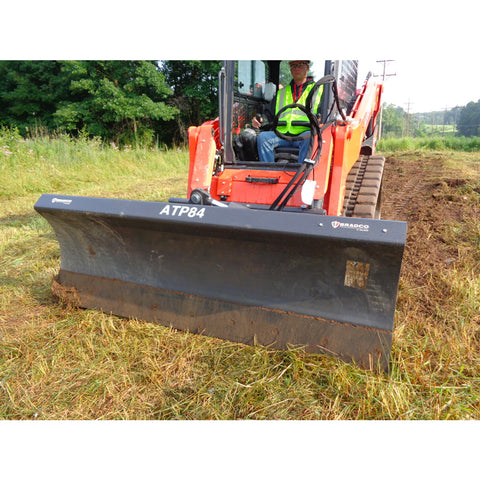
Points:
[[299, 64]]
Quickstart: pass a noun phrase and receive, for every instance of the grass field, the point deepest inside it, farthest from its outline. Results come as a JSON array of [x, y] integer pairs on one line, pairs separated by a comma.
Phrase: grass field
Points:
[[60, 363]]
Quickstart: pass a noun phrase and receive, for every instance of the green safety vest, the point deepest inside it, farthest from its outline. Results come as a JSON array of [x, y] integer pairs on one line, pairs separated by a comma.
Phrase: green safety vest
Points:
[[294, 121]]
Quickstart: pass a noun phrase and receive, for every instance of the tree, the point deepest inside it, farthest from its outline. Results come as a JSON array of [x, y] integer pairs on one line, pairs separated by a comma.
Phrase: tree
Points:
[[30, 92], [195, 92], [393, 120], [469, 120], [116, 100]]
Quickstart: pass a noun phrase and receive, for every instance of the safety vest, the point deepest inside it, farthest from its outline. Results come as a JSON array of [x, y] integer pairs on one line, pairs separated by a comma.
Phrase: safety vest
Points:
[[294, 121]]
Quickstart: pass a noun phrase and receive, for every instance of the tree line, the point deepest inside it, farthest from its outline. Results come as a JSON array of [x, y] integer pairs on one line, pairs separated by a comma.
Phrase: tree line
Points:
[[126, 102], [458, 121], [132, 102]]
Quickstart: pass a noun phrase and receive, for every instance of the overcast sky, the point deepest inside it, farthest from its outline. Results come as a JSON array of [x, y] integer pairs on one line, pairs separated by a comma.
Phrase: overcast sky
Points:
[[421, 85]]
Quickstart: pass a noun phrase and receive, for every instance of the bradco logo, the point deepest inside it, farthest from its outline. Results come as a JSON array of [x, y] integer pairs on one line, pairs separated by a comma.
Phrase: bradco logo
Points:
[[360, 227], [61, 200]]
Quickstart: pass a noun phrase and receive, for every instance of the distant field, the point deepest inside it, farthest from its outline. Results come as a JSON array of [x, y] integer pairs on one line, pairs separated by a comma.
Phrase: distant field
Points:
[[440, 129], [58, 362]]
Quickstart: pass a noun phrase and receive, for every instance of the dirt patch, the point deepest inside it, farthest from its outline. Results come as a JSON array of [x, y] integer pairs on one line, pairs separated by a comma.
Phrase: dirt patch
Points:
[[67, 296], [432, 198], [412, 181]]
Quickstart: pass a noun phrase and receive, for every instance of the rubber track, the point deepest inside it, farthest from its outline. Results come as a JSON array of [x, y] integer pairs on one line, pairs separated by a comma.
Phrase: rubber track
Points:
[[363, 188]]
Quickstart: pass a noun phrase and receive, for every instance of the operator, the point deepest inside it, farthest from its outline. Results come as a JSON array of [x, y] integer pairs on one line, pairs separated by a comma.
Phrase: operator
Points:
[[293, 122]]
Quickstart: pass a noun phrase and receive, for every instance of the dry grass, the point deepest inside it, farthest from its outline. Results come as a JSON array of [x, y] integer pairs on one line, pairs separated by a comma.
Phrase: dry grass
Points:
[[61, 363]]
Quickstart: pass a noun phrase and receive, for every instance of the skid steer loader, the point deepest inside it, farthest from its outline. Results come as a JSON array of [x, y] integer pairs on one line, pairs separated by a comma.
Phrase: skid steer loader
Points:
[[284, 254]]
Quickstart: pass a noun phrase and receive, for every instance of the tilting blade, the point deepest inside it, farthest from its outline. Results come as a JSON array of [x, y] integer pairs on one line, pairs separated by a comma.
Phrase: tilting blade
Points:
[[275, 278]]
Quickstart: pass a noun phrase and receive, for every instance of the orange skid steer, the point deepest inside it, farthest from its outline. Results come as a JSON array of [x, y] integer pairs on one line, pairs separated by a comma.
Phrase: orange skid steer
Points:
[[283, 254]]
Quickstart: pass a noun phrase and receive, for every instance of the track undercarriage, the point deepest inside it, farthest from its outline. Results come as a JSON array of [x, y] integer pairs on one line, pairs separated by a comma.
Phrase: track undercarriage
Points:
[[364, 188]]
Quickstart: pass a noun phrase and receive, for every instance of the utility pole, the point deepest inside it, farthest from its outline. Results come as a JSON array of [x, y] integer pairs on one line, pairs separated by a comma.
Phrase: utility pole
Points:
[[444, 112], [455, 120], [408, 118], [384, 74], [383, 81]]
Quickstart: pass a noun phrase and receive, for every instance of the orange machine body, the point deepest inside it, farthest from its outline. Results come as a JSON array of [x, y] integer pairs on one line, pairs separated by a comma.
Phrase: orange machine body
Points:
[[341, 144]]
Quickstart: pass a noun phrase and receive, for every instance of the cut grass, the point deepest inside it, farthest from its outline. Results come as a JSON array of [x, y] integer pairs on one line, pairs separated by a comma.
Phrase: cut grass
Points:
[[62, 363]]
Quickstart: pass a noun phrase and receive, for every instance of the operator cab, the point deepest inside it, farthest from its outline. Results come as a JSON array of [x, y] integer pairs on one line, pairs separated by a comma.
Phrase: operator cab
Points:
[[252, 93]]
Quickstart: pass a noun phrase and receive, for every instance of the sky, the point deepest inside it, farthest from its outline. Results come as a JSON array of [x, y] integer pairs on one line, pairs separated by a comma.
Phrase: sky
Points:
[[422, 85]]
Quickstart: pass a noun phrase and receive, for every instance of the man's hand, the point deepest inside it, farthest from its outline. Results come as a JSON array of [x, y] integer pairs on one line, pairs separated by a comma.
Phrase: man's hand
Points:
[[257, 121]]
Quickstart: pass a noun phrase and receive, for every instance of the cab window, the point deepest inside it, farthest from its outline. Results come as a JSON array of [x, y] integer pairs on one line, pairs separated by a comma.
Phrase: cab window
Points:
[[251, 77]]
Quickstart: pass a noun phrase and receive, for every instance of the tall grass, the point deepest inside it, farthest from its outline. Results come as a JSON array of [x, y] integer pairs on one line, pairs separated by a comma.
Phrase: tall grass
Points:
[[61, 164], [460, 144]]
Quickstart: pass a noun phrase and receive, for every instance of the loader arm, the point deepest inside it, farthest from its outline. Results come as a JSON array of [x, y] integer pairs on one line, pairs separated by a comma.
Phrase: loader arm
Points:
[[348, 138]]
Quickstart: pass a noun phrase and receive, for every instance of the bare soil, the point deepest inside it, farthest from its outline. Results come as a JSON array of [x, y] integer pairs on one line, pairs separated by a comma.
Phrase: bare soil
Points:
[[432, 197]]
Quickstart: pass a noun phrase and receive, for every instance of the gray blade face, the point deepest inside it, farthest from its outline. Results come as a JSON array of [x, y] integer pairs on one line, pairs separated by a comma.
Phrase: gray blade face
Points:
[[328, 283]]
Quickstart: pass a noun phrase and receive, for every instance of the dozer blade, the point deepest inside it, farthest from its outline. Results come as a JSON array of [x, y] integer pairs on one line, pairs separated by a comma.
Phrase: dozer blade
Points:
[[278, 279]]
